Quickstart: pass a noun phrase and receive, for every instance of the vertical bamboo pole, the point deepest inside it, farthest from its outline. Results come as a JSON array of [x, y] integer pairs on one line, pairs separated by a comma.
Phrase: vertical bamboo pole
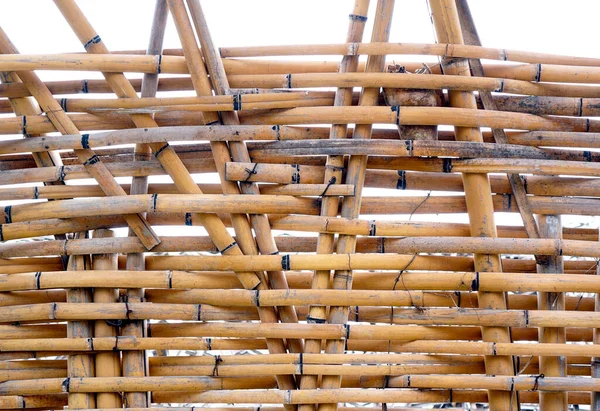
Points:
[[479, 202], [135, 362], [239, 152], [80, 365], [556, 366], [357, 165], [163, 152], [108, 363], [333, 173], [221, 156], [87, 157]]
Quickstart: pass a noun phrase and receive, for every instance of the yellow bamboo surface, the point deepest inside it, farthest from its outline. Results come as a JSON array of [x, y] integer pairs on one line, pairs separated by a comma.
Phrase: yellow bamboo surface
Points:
[[245, 229]]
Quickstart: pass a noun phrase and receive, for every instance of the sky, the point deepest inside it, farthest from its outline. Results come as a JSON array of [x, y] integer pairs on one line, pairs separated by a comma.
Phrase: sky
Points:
[[551, 26]]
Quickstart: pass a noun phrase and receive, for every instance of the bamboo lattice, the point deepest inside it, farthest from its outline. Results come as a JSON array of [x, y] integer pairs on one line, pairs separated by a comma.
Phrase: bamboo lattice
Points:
[[318, 273]]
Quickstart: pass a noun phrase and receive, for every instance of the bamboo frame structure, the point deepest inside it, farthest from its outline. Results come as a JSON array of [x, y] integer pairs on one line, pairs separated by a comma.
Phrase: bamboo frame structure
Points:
[[314, 251]]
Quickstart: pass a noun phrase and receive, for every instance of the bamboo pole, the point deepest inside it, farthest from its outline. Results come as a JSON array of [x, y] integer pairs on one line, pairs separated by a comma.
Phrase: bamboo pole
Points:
[[86, 156], [108, 364], [478, 197]]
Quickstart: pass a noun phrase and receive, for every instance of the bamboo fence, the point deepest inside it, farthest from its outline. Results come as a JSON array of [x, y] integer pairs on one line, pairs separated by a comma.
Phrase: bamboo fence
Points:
[[239, 229]]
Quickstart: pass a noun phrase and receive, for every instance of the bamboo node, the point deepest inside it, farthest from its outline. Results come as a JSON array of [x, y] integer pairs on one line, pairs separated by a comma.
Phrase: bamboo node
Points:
[[24, 125], [36, 193], [301, 364], [288, 77], [154, 200], [257, 298]]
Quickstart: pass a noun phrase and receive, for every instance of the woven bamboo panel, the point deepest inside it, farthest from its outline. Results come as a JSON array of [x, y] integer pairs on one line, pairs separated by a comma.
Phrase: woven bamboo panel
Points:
[[298, 235]]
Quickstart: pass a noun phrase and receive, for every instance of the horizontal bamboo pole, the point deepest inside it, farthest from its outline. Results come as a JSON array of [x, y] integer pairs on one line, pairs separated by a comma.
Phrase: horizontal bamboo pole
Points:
[[474, 281]]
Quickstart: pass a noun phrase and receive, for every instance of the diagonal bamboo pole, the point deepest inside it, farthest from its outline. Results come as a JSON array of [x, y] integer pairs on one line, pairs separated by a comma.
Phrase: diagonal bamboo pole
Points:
[[135, 362], [479, 202], [163, 151], [355, 174], [86, 156], [221, 155], [239, 152], [333, 174]]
